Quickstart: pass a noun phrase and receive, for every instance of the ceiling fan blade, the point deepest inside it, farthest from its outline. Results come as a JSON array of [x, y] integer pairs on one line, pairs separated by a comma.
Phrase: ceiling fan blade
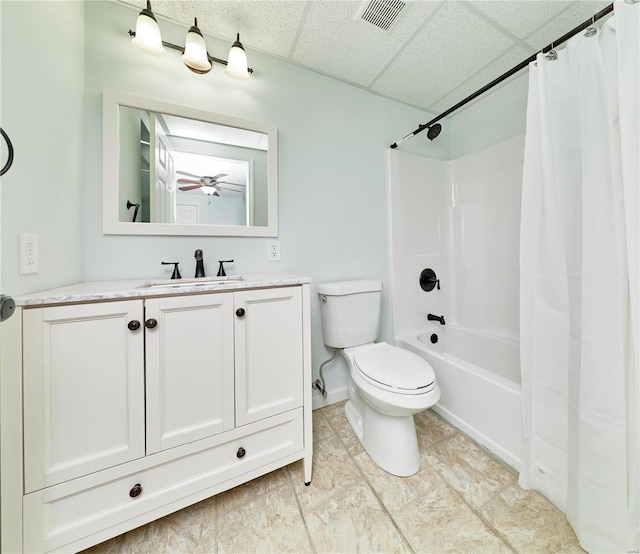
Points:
[[190, 187], [229, 189], [189, 174], [228, 183], [189, 182], [219, 175]]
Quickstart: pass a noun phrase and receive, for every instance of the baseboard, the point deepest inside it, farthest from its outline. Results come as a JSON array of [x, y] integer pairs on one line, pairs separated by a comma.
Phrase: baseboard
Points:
[[334, 395], [505, 456]]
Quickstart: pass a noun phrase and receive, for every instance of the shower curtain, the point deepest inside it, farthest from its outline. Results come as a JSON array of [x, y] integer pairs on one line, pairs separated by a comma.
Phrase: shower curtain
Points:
[[579, 283]]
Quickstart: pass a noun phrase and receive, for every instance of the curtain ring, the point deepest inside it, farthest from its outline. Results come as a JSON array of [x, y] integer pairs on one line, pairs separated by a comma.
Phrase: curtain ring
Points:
[[591, 29], [10, 149]]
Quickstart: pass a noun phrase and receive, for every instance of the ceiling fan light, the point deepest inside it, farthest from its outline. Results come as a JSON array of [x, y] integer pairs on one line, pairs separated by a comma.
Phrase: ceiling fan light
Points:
[[209, 191], [148, 37], [237, 61], [195, 51]]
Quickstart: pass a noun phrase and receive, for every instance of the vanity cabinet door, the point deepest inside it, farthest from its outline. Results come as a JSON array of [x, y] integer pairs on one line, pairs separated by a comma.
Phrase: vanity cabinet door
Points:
[[189, 352], [268, 348], [83, 390]]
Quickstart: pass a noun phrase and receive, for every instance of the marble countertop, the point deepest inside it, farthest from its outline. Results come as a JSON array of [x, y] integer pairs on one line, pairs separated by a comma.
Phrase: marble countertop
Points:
[[147, 288]]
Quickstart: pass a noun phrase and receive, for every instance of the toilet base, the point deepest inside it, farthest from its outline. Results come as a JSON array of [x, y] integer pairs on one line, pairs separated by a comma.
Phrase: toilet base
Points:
[[390, 441]]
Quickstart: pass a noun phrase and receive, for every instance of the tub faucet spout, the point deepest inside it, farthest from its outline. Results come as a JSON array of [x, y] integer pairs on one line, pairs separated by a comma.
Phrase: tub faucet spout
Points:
[[439, 318]]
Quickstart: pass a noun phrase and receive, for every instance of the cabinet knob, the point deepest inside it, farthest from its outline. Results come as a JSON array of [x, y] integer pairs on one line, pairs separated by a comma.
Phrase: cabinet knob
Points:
[[136, 490], [241, 452], [150, 323], [134, 325], [240, 312]]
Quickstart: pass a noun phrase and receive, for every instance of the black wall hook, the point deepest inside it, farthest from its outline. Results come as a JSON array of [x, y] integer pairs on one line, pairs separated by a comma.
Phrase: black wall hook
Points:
[[135, 212], [7, 165]]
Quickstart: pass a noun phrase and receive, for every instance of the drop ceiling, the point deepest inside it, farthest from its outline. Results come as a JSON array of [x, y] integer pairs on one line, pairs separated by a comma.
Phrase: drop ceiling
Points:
[[434, 54]]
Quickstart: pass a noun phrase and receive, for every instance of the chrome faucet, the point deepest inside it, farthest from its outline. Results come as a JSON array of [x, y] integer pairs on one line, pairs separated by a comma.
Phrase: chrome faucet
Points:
[[199, 263], [432, 317]]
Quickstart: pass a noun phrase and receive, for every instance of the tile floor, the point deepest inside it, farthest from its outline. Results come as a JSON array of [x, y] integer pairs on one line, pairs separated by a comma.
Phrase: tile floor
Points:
[[461, 500]]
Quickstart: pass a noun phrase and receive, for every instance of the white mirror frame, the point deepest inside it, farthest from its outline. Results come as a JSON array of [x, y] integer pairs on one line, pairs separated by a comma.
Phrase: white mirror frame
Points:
[[112, 100]]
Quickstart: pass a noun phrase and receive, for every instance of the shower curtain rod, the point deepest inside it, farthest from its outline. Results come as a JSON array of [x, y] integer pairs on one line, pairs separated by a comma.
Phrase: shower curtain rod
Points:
[[508, 74]]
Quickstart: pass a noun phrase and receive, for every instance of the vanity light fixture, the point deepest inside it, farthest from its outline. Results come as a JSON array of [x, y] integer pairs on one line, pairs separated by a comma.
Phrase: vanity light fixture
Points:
[[147, 35], [195, 51], [237, 64], [147, 38]]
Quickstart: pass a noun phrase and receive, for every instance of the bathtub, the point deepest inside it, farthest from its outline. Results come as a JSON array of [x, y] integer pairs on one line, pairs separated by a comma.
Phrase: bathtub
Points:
[[479, 377]]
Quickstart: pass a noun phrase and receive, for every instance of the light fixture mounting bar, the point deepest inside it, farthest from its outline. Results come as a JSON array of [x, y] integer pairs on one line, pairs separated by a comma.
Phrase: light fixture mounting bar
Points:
[[181, 50]]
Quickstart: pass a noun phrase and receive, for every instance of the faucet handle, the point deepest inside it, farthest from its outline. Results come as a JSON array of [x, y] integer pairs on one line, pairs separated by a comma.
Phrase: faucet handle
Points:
[[176, 271], [221, 272], [428, 280]]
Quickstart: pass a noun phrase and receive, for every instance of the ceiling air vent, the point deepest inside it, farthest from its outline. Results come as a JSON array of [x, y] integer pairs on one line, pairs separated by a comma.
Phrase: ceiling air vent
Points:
[[382, 14]]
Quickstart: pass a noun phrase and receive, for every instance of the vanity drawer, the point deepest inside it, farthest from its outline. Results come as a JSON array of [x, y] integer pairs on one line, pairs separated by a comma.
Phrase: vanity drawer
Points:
[[65, 513]]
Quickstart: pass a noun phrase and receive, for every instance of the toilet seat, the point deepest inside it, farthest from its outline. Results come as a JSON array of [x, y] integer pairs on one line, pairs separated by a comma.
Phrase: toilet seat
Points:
[[394, 369]]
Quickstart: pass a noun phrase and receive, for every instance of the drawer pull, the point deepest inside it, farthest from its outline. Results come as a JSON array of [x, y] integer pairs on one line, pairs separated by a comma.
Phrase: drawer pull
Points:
[[134, 325], [240, 312], [150, 323], [241, 452], [135, 491]]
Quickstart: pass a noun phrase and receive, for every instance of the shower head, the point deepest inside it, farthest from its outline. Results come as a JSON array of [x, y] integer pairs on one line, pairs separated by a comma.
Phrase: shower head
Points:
[[434, 131]]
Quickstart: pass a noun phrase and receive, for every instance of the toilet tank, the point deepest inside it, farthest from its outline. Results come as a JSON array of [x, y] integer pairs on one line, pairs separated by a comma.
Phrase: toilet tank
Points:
[[350, 312]]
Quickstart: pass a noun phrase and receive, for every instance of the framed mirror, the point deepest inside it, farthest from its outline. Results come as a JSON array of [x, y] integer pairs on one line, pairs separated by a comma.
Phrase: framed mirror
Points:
[[175, 170]]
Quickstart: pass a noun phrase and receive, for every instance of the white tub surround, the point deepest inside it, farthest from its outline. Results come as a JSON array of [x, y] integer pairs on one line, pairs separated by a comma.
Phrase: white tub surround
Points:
[[461, 219], [127, 401], [479, 379]]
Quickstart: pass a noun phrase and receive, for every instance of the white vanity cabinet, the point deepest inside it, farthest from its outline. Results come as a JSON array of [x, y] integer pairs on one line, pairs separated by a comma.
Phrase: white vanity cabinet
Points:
[[83, 390], [193, 349], [135, 408], [190, 368]]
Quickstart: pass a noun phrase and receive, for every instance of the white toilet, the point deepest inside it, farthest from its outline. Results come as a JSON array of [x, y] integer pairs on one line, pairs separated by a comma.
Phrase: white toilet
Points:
[[387, 384]]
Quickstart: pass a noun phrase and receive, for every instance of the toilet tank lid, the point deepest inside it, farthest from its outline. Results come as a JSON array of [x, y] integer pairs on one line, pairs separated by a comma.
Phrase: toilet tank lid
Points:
[[340, 288]]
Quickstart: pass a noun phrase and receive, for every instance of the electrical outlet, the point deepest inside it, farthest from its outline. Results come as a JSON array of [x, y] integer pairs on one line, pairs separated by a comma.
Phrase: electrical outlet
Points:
[[273, 251], [28, 254]]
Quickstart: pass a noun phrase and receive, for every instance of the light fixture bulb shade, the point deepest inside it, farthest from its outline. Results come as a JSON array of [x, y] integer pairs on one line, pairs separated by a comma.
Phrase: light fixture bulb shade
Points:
[[148, 37], [210, 191], [237, 61], [195, 51]]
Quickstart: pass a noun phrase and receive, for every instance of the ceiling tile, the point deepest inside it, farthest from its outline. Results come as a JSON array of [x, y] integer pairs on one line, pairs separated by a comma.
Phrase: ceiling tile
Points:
[[503, 64], [454, 44], [163, 8], [334, 42], [267, 26], [520, 18], [574, 15]]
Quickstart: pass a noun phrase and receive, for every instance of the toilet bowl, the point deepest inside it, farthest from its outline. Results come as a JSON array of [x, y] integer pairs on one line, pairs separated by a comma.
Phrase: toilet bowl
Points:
[[387, 385]]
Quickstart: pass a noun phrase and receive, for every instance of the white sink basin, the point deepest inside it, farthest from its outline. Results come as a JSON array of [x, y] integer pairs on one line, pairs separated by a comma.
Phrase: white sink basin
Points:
[[200, 281]]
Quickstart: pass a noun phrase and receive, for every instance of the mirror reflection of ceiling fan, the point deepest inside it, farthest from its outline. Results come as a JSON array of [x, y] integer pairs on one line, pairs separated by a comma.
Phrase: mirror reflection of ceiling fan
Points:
[[210, 185]]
